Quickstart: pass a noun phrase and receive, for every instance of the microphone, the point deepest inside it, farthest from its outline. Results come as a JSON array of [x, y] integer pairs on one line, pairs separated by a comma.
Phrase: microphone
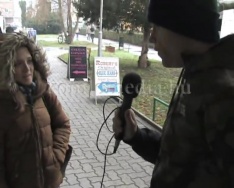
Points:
[[131, 85]]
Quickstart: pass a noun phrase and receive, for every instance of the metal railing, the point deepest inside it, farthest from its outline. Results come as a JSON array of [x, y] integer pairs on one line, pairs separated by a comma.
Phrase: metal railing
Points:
[[157, 100]]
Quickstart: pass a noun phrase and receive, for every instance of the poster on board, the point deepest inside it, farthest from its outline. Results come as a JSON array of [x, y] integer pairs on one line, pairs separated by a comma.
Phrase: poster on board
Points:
[[106, 73], [77, 62]]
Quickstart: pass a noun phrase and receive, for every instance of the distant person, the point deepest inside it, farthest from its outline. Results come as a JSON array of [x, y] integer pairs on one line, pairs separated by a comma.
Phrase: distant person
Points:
[[9, 29], [35, 35], [30, 33], [88, 32], [92, 33], [0, 30], [77, 33], [68, 37]]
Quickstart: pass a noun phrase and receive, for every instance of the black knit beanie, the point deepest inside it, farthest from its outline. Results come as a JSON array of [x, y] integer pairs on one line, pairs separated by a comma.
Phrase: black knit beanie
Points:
[[197, 19]]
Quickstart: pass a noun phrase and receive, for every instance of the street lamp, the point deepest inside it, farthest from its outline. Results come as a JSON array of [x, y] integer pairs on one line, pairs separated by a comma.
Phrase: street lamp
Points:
[[100, 31]]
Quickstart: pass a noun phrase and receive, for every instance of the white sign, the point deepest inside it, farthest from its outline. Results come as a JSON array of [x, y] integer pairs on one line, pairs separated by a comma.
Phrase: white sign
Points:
[[227, 23], [106, 73]]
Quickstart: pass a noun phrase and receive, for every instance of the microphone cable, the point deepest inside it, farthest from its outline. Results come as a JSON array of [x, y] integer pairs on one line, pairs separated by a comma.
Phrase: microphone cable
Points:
[[105, 123]]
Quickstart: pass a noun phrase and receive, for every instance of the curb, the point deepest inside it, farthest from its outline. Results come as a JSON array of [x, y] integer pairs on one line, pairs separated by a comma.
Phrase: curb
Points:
[[62, 60], [149, 121]]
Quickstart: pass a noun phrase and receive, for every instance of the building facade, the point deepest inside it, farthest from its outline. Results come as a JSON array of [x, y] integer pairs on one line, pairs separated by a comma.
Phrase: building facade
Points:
[[11, 12]]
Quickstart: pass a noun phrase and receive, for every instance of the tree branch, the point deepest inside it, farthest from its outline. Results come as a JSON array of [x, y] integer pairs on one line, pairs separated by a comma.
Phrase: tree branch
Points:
[[55, 1], [226, 5], [61, 16]]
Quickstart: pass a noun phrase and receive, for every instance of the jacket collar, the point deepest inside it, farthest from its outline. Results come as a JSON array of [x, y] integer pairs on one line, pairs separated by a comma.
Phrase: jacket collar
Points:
[[41, 88], [219, 56]]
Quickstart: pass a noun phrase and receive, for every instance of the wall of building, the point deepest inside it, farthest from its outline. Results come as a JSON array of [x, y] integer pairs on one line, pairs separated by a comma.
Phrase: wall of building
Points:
[[11, 11]]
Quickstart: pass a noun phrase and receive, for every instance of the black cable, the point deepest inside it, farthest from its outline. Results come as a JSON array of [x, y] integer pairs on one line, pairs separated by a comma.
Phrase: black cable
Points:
[[105, 122], [104, 167], [103, 110], [100, 131]]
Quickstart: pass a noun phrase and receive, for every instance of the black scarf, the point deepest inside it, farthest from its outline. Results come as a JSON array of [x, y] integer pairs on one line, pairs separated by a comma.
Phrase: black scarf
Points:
[[28, 91]]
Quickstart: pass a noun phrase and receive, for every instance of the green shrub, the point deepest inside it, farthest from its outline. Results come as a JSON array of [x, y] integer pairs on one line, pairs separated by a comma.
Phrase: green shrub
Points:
[[128, 37], [51, 26]]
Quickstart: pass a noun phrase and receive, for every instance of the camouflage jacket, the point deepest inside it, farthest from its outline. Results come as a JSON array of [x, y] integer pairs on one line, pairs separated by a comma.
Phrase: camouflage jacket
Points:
[[196, 146]]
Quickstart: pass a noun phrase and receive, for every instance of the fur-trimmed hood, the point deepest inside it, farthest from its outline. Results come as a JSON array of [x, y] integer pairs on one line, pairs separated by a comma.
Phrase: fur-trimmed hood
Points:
[[8, 48], [16, 101]]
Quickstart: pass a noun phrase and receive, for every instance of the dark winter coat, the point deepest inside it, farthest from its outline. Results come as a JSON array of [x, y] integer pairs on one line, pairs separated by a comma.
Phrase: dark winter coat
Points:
[[196, 146], [33, 143], [34, 136]]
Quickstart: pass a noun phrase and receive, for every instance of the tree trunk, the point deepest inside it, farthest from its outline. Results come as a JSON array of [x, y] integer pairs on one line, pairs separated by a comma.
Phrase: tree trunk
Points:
[[69, 23], [143, 58], [69, 31], [76, 26], [22, 5], [43, 12], [61, 17]]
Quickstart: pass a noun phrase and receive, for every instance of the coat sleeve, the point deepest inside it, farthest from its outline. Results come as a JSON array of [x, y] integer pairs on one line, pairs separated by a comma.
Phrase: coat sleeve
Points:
[[146, 143], [60, 125], [2, 168], [219, 132]]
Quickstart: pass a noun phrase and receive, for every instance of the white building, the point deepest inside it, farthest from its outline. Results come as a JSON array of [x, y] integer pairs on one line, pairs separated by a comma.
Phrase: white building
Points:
[[11, 12]]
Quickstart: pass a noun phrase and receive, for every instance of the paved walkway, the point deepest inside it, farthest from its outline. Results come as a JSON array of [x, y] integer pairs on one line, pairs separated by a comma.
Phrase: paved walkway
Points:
[[124, 169]]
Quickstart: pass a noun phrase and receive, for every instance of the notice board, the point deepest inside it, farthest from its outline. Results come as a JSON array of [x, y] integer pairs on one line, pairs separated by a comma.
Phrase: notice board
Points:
[[106, 73], [77, 62]]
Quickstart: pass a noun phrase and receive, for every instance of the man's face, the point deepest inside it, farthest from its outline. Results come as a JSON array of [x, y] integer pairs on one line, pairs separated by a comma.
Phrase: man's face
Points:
[[24, 67], [169, 46]]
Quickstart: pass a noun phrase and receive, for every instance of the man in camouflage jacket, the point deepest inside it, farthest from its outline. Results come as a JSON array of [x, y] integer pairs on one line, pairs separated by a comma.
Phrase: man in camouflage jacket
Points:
[[196, 146]]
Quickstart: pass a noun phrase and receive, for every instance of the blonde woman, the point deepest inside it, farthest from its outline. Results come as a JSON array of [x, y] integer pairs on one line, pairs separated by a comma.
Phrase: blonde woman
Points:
[[34, 130]]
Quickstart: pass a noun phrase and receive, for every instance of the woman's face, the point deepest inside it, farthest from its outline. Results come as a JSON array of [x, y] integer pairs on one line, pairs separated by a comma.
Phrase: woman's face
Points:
[[24, 67]]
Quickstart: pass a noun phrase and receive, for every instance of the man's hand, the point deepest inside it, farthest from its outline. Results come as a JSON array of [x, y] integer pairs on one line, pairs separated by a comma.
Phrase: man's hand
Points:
[[129, 129]]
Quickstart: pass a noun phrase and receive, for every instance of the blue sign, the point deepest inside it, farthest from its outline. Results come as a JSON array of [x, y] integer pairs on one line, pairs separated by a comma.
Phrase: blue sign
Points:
[[107, 73], [108, 87]]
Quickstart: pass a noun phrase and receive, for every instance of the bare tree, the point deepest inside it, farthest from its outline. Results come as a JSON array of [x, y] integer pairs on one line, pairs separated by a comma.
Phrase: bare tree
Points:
[[226, 5], [68, 30], [71, 30], [60, 10], [143, 61], [43, 10]]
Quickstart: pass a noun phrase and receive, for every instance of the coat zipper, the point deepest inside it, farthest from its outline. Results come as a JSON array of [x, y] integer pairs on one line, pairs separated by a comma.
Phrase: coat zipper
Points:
[[38, 142]]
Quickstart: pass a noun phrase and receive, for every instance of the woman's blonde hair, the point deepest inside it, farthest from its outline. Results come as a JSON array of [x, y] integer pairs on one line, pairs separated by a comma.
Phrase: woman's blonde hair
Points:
[[8, 48]]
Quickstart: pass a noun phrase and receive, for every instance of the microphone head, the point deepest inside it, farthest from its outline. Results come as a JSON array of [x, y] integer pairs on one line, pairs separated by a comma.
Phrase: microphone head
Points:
[[131, 85]]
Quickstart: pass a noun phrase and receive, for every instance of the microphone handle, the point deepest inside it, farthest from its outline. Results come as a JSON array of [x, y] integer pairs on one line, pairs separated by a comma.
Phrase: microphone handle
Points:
[[127, 103]]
